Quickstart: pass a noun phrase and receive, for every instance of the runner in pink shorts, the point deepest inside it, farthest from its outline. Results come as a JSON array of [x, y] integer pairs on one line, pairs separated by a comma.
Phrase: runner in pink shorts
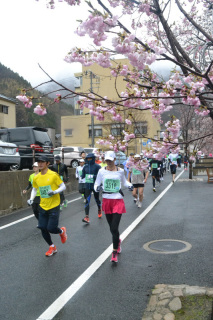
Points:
[[110, 179]]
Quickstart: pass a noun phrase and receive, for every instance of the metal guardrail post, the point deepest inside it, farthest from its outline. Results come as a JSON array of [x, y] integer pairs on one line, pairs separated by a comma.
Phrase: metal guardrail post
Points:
[[33, 154], [62, 151]]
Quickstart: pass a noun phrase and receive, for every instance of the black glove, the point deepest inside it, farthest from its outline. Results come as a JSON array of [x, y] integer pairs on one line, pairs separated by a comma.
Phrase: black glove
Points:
[[66, 179], [51, 193], [99, 188], [77, 178], [130, 188]]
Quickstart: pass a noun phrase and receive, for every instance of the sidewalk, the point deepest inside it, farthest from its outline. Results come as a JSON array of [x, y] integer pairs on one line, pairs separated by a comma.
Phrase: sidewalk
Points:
[[188, 205]]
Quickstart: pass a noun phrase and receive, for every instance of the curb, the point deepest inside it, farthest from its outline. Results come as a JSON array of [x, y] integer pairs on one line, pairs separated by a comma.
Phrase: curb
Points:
[[165, 299]]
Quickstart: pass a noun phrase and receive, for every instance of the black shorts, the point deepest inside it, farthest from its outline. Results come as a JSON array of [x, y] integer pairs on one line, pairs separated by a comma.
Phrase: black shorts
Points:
[[138, 185], [173, 168], [155, 173], [81, 188]]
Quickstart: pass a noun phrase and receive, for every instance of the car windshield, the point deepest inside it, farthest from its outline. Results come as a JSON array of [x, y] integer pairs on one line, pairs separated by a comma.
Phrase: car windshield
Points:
[[42, 137], [56, 152]]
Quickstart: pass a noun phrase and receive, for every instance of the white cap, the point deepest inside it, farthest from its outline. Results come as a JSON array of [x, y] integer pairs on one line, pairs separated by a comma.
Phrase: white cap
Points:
[[137, 156], [35, 164], [81, 160], [110, 155]]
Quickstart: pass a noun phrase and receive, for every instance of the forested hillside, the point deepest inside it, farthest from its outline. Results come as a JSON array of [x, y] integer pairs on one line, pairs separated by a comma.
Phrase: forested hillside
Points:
[[11, 84]]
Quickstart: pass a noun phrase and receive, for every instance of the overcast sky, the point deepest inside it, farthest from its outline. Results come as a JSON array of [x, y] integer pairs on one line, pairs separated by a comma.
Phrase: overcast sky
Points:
[[32, 34]]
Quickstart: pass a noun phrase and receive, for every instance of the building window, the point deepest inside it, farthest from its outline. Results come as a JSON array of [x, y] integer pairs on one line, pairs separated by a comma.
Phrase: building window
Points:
[[140, 128], [4, 109], [116, 129], [68, 132], [97, 131]]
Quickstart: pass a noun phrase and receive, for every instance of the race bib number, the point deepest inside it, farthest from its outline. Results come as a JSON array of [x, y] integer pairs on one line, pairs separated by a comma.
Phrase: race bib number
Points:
[[44, 191], [111, 185], [80, 173], [135, 171], [154, 166], [174, 159], [62, 178], [89, 178]]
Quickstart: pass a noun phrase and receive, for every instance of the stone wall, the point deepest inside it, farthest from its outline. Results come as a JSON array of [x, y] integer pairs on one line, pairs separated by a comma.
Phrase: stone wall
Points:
[[14, 182]]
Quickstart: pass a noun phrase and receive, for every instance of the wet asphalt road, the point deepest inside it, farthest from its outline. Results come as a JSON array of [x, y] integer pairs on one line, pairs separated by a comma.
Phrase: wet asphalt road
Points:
[[31, 282]]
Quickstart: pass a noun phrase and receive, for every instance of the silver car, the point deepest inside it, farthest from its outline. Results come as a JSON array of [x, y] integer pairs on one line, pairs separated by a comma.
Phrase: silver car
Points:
[[9, 156], [69, 155]]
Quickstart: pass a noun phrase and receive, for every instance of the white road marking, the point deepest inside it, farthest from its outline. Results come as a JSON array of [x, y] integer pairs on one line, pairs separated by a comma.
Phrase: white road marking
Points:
[[60, 302], [28, 217]]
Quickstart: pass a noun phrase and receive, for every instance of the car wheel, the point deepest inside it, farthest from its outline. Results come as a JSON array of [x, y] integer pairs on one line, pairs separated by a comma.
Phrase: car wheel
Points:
[[74, 164], [15, 167]]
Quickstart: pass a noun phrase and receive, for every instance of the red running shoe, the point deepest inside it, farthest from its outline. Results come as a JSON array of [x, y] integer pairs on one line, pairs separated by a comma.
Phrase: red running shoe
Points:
[[86, 220], [51, 251], [99, 213], [63, 235]]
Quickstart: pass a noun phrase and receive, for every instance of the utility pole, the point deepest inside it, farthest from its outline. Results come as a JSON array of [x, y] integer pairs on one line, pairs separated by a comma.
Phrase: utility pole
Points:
[[92, 76], [92, 116]]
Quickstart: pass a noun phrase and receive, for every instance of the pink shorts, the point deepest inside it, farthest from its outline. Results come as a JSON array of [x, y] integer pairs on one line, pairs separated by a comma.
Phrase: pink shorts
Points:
[[110, 206]]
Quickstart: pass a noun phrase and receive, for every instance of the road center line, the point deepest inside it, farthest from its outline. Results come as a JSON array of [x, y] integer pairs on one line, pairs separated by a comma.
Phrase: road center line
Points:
[[28, 217], [60, 302]]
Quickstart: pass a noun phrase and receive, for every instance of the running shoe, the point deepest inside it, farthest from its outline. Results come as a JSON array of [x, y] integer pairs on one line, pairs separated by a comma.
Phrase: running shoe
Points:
[[139, 204], [86, 219], [119, 246], [154, 190], [85, 200], [51, 251], [61, 207], [82, 195], [114, 257], [65, 203], [99, 213], [135, 200], [63, 235]]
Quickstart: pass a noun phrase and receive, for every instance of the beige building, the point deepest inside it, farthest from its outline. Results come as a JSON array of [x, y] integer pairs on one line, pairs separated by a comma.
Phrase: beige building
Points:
[[77, 130], [7, 112]]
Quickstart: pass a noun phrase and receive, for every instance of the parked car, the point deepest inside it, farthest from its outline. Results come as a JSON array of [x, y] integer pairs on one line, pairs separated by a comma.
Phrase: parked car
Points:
[[9, 155], [120, 157], [71, 157], [91, 150], [27, 139]]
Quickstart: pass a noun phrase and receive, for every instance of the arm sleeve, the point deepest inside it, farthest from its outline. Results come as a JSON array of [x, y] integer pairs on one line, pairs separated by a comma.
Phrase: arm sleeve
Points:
[[65, 170], [76, 173], [124, 182], [29, 186], [61, 188], [98, 181], [33, 193], [83, 173]]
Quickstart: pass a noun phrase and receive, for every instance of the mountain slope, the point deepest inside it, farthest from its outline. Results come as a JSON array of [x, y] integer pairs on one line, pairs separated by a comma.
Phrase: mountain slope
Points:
[[11, 84]]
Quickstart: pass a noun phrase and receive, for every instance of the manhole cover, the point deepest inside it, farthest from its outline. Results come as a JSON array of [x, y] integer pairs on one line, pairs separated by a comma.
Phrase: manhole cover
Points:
[[167, 246]]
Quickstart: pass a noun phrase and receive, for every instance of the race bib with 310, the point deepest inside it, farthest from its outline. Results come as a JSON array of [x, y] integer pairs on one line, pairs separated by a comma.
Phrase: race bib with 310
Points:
[[44, 191], [135, 171], [89, 178], [112, 185]]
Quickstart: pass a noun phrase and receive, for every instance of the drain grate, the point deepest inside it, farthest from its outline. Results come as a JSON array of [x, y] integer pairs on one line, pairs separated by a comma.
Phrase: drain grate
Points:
[[167, 246]]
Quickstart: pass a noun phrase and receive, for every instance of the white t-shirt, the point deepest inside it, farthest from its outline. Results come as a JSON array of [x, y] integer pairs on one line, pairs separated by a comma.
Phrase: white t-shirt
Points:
[[78, 174], [112, 181], [173, 158]]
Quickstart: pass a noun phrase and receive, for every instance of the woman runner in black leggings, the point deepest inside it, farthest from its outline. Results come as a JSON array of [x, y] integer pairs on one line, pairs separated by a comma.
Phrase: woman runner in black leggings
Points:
[[111, 179]]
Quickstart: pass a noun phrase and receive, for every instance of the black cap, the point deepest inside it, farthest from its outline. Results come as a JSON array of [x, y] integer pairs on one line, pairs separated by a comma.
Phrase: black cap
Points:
[[57, 157], [131, 154], [44, 158]]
